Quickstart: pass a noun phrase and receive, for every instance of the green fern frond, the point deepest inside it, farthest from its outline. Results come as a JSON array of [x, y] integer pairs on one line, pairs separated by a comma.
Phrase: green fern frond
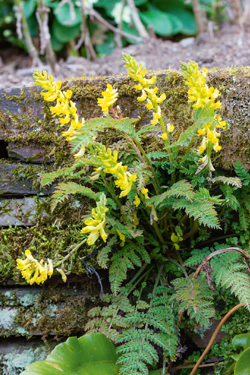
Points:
[[103, 254], [65, 189], [233, 181], [144, 176], [195, 297], [128, 257], [68, 172], [180, 189], [242, 173], [204, 212], [157, 155], [244, 218]]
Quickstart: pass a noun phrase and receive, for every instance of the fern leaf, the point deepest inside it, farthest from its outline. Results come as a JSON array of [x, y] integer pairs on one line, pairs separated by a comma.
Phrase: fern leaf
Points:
[[180, 189], [243, 216], [48, 178], [204, 212], [242, 173], [102, 257], [195, 297], [233, 181], [65, 189]]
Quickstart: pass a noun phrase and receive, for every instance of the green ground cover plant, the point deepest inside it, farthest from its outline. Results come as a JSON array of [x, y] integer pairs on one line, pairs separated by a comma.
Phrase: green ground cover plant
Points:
[[161, 222]]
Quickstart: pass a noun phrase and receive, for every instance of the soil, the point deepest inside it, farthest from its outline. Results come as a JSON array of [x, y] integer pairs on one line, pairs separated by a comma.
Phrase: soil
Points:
[[229, 46]]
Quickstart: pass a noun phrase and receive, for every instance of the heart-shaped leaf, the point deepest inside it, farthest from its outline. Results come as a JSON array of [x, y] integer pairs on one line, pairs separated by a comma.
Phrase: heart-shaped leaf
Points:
[[243, 364], [91, 354]]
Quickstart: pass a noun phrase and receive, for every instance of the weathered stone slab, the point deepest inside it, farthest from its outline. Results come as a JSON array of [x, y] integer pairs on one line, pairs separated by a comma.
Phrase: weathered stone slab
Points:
[[27, 154], [11, 186], [17, 212], [22, 110], [16, 356], [42, 311]]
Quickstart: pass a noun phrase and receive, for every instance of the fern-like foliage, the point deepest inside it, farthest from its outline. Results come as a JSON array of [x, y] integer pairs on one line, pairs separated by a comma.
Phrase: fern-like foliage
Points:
[[147, 328], [195, 297], [242, 173], [144, 175], [65, 189], [95, 125], [201, 207], [230, 272], [66, 173], [180, 189], [233, 181], [156, 328], [129, 256]]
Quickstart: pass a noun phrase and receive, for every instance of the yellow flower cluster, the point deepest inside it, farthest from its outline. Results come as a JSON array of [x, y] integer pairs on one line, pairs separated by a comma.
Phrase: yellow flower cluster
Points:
[[96, 223], [199, 92], [138, 74], [109, 161], [33, 271], [64, 108], [109, 98], [203, 95]]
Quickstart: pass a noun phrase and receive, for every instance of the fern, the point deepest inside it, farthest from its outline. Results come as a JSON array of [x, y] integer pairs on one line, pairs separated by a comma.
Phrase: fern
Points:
[[126, 258], [230, 272], [156, 328], [157, 155], [195, 297], [233, 181], [230, 199], [67, 173], [65, 189], [103, 254], [179, 189], [244, 220], [242, 173], [144, 176], [201, 207]]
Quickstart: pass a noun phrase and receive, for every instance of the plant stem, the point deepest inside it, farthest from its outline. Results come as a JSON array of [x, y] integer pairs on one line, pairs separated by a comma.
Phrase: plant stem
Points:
[[155, 183], [214, 336], [26, 32], [110, 189], [71, 253]]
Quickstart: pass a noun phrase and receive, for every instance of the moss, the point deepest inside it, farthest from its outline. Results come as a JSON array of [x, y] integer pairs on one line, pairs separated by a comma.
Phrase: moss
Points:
[[15, 362]]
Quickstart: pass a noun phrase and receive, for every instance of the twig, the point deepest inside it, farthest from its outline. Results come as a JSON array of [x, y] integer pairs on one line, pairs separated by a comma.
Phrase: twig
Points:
[[214, 336], [97, 15], [85, 37], [26, 33], [200, 366], [138, 24], [207, 259], [118, 38], [42, 15], [198, 17]]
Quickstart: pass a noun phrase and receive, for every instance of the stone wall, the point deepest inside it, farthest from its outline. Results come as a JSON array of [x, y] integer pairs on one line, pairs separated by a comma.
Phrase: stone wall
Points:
[[33, 318]]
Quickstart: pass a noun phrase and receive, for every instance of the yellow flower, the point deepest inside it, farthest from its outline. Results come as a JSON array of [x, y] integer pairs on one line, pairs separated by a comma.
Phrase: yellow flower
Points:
[[149, 105], [170, 128], [96, 223], [161, 98], [136, 201], [122, 237], [217, 147], [145, 192], [109, 160], [136, 220], [109, 98], [164, 136], [80, 153], [143, 97], [33, 271]]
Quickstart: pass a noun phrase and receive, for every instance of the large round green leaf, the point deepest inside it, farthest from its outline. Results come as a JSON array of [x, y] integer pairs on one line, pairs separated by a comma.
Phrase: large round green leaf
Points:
[[64, 16], [243, 364], [160, 21], [29, 7], [241, 341], [91, 354], [64, 33]]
